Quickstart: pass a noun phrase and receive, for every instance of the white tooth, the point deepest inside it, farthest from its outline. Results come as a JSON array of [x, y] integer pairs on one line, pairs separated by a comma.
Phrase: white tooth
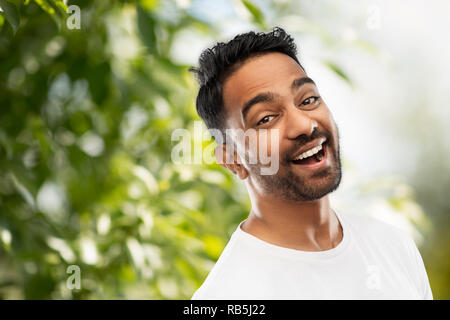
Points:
[[309, 153]]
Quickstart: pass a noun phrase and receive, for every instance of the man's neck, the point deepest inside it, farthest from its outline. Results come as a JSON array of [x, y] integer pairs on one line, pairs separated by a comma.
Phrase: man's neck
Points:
[[306, 226]]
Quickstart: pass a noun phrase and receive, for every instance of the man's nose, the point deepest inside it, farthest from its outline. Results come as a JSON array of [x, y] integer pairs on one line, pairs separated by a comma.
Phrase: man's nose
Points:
[[298, 123]]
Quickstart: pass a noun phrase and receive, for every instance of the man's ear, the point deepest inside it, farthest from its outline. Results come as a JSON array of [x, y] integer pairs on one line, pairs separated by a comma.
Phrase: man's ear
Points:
[[230, 161]]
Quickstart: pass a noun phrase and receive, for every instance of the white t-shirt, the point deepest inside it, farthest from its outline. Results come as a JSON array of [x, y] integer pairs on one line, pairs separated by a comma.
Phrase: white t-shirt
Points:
[[373, 261]]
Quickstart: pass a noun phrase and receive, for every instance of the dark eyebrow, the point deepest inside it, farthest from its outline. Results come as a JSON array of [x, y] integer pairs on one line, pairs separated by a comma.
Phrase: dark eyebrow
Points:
[[269, 96], [297, 83], [262, 97]]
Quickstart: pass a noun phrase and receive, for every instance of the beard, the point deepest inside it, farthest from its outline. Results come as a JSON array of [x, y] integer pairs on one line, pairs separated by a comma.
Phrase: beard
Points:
[[291, 186]]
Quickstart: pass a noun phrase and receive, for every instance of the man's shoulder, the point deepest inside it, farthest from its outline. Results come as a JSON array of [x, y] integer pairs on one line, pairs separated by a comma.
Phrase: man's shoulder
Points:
[[373, 228], [230, 282], [235, 270], [396, 245]]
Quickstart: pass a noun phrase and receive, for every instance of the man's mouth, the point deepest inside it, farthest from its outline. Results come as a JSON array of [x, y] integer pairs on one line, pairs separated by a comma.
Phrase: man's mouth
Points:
[[312, 155]]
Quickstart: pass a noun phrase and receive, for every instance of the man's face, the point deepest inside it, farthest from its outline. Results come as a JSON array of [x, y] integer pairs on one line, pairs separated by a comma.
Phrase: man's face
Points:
[[273, 92]]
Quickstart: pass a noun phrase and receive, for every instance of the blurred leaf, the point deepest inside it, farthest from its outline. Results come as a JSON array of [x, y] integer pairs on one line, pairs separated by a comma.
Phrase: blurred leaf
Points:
[[258, 16], [146, 26], [213, 246], [56, 9], [46, 6], [338, 71], [11, 14]]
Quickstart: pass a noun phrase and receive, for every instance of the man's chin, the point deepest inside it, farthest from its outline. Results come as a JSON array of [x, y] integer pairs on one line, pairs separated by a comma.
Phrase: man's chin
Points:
[[319, 184]]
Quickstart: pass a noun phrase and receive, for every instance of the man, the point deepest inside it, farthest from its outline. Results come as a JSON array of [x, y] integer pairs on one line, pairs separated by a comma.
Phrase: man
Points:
[[293, 245]]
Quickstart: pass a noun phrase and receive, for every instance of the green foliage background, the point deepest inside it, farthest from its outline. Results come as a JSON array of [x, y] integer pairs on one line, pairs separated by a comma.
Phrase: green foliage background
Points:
[[90, 129]]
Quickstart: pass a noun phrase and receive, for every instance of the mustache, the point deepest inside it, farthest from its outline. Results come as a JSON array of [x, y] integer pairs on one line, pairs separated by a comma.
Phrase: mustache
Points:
[[302, 140]]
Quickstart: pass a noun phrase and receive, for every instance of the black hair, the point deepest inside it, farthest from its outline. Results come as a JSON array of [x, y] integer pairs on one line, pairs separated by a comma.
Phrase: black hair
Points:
[[220, 61]]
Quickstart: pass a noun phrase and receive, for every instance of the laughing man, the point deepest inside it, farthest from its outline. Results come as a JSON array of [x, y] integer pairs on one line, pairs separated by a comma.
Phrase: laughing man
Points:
[[293, 245]]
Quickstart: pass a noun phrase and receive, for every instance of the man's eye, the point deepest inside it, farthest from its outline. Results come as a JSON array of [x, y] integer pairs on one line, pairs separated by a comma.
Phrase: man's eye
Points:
[[264, 120], [310, 100]]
